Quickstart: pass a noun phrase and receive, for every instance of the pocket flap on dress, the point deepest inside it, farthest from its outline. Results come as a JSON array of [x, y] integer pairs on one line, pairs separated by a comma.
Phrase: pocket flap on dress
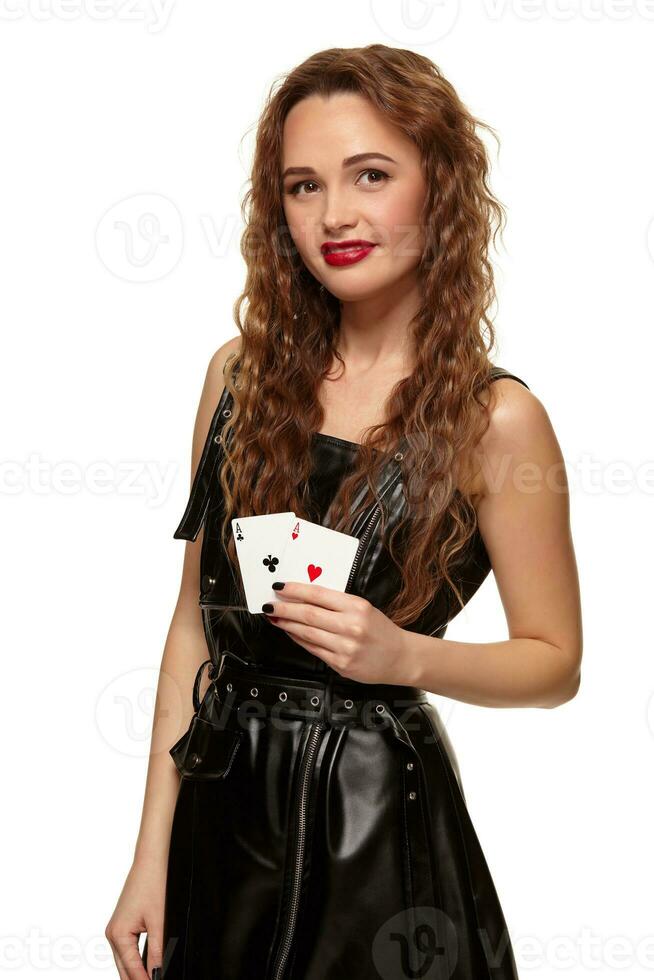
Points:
[[205, 751]]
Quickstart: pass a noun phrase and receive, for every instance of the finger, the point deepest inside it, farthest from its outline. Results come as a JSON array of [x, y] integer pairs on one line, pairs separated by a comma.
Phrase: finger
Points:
[[328, 656], [319, 595], [307, 615], [303, 633], [154, 957], [118, 959], [128, 958], [122, 972]]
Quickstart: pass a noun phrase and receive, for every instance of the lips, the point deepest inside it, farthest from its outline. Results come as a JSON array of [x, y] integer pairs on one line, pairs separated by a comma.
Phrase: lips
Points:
[[340, 254], [328, 248]]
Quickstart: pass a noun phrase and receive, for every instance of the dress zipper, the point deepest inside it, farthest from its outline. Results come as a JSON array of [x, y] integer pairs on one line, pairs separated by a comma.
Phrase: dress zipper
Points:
[[305, 776], [373, 520]]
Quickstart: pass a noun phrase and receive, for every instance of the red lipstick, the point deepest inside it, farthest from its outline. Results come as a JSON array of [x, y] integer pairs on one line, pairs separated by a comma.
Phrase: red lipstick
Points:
[[347, 252]]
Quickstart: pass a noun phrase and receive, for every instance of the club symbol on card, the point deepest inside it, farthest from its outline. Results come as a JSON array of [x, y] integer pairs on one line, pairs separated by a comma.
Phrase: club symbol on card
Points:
[[314, 571], [271, 563]]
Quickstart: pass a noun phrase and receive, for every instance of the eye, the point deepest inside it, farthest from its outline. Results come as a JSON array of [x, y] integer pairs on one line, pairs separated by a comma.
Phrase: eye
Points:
[[384, 176], [381, 176], [295, 189]]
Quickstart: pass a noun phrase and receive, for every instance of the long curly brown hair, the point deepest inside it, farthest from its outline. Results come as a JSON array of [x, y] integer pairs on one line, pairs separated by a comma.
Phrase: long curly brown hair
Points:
[[289, 330]]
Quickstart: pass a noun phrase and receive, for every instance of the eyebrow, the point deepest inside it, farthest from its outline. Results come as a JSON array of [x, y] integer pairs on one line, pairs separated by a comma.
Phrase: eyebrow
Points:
[[347, 162]]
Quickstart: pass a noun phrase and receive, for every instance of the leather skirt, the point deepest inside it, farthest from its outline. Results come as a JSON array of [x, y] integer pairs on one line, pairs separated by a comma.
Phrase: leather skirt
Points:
[[321, 833]]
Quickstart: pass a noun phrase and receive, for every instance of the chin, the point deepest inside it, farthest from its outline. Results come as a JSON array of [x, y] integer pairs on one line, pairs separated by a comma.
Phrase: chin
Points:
[[355, 293]]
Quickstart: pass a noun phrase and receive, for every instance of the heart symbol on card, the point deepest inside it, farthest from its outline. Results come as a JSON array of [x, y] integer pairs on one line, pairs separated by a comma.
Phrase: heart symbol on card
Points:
[[294, 534], [314, 571]]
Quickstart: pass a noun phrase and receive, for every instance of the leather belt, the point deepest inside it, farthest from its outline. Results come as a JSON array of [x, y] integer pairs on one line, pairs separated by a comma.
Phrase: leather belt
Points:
[[334, 700]]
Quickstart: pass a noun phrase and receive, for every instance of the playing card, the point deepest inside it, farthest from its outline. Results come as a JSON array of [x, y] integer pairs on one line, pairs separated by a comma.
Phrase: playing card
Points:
[[318, 554], [260, 542]]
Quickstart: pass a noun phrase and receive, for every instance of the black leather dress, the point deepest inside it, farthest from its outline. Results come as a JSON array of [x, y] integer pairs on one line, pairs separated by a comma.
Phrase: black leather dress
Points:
[[320, 830]]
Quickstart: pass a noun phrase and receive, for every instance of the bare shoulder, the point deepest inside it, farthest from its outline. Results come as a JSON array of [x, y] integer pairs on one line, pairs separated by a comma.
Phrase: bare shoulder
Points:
[[214, 382], [215, 379], [519, 433], [516, 417]]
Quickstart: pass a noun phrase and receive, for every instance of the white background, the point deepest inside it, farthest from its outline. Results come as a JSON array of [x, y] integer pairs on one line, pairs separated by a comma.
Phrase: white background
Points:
[[108, 328]]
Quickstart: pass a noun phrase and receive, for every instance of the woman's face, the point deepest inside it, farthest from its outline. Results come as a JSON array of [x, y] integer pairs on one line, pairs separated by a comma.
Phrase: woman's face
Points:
[[329, 197]]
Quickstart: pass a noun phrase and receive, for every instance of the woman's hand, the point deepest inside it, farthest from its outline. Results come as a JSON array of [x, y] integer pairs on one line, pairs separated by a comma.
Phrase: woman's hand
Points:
[[346, 631], [140, 908]]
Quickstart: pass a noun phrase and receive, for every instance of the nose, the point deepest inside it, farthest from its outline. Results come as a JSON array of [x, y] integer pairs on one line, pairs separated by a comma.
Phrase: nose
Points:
[[338, 212]]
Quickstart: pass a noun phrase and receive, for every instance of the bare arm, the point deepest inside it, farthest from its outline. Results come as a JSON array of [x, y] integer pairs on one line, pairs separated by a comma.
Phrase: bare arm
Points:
[[184, 651], [140, 905], [523, 514]]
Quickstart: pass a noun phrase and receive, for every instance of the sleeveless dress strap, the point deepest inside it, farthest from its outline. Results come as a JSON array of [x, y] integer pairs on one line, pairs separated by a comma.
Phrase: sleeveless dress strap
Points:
[[198, 501], [500, 372]]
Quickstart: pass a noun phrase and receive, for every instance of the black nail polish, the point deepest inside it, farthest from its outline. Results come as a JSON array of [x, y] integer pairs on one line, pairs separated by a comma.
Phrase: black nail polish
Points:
[[278, 585], [267, 607]]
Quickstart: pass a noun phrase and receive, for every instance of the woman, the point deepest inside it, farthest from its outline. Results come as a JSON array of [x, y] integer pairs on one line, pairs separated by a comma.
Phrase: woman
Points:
[[319, 829]]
